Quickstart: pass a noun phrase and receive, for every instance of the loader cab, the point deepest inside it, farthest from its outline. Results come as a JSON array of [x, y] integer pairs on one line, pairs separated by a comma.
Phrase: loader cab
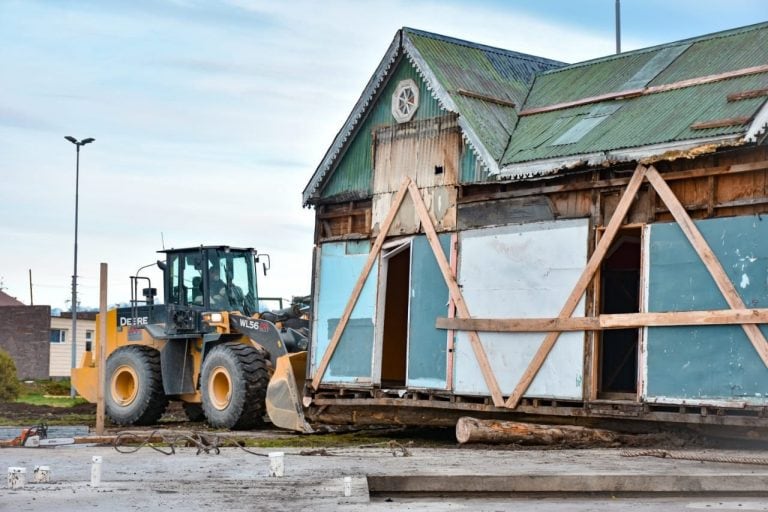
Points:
[[215, 278]]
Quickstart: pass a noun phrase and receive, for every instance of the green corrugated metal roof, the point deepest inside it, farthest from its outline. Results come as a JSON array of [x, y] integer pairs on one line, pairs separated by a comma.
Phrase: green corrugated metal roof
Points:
[[646, 120], [447, 66], [500, 74], [456, 72]]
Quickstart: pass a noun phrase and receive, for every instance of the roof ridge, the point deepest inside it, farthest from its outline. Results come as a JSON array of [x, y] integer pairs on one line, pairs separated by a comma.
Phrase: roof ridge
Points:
[[713, 35], [469, 44]]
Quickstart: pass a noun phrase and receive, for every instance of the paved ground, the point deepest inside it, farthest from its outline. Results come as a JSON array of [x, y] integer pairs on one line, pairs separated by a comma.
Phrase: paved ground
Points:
[[235, 480]]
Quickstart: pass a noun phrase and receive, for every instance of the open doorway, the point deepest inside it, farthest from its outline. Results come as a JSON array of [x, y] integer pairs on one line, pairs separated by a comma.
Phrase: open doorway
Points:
[[620, 293], [395, 319]]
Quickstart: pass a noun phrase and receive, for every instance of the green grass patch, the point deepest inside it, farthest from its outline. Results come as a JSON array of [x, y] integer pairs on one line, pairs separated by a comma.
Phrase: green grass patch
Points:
[[51, 400], [64, 420], [384, 439]]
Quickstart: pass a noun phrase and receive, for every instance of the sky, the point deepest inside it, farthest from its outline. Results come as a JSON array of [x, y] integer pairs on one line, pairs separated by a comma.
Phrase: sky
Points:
[[211, 116]]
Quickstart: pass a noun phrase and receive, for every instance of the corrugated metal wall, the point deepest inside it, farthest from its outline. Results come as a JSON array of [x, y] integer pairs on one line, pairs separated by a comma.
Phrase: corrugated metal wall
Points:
[[354, 171]]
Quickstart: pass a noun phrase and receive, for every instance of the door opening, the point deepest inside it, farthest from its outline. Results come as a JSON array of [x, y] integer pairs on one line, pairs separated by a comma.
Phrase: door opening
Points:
[[395, 332], [620, 293]]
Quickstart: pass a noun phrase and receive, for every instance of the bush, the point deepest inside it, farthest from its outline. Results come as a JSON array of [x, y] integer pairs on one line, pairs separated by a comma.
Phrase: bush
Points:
[[9, 383], [57, 387]]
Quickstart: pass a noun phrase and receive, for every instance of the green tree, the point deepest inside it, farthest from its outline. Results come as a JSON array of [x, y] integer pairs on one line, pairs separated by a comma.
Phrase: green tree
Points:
[[9, 382]]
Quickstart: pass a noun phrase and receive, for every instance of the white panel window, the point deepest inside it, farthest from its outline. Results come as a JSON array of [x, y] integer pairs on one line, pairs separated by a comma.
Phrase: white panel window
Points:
[[58, 335], [89, 336]]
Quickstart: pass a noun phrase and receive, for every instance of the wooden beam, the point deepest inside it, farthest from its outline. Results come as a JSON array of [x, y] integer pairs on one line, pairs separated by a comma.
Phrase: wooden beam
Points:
[[581, 285], [485, 97], [519, 324], [720, 123], [713, 265], [615, 182], [606, 322], [633, 93], [455, 293], [101, 351], [375, 249], [748, 95]]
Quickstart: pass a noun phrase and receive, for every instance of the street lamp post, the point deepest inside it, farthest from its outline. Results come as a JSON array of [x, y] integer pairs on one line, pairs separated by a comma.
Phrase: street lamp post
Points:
[[74, 273]]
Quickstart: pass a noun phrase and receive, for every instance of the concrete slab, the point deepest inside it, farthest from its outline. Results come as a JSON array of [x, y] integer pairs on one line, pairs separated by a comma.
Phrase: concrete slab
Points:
[[236, 480]]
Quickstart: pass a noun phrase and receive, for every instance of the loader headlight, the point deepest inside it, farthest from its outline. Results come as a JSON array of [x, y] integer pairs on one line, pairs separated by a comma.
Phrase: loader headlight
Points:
[[213, 318]]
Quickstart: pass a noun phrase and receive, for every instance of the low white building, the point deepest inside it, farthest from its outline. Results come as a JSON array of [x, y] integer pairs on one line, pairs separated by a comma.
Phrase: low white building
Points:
[[61, 341]]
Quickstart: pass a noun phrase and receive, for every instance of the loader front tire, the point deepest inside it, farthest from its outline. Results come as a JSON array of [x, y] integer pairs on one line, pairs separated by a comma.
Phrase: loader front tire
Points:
[[134, 394], [234, 382]]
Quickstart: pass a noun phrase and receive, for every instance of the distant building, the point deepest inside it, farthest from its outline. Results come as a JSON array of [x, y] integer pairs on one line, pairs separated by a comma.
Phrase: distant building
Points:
[[24, 332], [61, 341]]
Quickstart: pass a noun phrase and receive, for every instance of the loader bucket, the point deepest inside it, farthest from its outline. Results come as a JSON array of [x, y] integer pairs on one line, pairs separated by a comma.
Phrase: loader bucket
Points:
[[284, 396]]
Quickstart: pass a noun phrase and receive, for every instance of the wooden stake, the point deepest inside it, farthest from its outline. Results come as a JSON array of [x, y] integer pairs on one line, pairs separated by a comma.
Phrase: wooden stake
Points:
[[713, 265], [101, 344], [456, 295], [375, 249], [581, 285]]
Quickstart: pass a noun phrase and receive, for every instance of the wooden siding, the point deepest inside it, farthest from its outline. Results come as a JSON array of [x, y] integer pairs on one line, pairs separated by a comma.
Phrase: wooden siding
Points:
[[428, 153], [61, 353]]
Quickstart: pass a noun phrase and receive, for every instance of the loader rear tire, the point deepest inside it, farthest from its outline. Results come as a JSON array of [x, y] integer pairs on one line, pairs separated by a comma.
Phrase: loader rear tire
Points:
[[134, 394], [234, 381]]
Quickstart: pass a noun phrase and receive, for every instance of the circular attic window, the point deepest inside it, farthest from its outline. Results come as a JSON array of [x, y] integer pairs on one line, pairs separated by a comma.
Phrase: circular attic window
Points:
[[405, 101]]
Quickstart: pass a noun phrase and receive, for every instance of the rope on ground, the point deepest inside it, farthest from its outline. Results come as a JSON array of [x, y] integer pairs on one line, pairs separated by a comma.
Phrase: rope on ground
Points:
[[166, 442], [699, 457], [398, 449]]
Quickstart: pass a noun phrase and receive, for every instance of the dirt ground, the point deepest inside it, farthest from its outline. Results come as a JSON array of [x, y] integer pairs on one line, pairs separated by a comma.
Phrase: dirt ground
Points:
[[20, 413]]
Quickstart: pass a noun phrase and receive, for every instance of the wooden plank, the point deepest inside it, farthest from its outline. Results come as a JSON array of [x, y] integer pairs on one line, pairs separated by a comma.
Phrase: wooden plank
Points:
[[375, 249], [451, 343], [616, 182], [714, 267], [485, 97], [746, 95], [707, 79], [101, 343], [606, 322], [586, 277], [719, 123], [632, 93], [455, 293], [519, 324]]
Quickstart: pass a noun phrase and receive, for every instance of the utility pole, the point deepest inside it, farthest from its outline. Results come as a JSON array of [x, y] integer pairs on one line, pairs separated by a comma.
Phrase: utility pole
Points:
[[618, 26], [77, 144]]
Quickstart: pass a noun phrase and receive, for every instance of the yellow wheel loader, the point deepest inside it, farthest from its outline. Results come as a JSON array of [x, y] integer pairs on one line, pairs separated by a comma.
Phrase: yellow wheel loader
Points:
[[211, 345]]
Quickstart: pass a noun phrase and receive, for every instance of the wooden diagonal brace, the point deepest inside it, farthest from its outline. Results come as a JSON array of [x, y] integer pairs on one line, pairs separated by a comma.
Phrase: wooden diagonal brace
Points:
[[375, 249], [456, 295], [713, 265], [581, 285]]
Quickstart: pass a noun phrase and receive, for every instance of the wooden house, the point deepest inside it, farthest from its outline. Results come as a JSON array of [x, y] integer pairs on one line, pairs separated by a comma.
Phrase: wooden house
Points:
[[500, 234]]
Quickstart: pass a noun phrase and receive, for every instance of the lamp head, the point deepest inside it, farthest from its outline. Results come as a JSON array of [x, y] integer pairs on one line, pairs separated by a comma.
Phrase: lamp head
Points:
[[86, 141], [71, 139]]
